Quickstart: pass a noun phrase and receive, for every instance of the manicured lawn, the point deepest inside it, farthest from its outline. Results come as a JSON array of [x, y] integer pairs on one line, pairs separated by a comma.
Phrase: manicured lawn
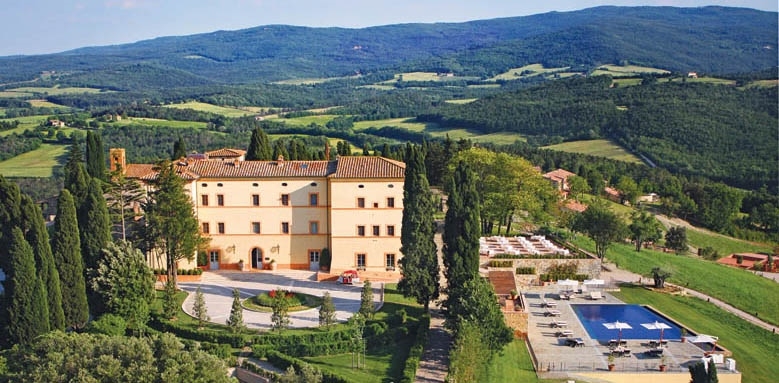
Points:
[[512, 364], [599, 148], [740, 288], [37, 163], [380, 366], [753, 348], [724, 245]]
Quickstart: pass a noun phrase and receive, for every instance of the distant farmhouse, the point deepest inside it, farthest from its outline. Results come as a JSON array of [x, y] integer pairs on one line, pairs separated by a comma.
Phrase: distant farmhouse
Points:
[[287, 212]]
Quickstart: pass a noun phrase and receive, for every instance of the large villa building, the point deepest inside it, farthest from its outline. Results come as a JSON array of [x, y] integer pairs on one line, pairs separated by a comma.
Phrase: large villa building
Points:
[[286, 212]]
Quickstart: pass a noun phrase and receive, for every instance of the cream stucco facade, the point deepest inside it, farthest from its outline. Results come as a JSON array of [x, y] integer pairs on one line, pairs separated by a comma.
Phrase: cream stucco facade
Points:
[[288, 211]]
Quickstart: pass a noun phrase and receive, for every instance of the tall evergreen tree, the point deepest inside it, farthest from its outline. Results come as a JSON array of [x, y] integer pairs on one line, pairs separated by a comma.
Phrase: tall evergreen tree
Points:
[[95, 156], [461, 229], [366, 301], [279, 150], [94, 224], [280, 306], [38, 237], [28, 314], [235, 321], [171, 226], [419, 265], [179, 149], [259, 146], [10, 215], [123, 196], [76, 178], [327, 311], [66, 247], [199, 308]]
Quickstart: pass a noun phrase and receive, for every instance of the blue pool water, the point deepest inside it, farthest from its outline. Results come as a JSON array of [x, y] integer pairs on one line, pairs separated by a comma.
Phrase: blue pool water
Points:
[[593, 317]]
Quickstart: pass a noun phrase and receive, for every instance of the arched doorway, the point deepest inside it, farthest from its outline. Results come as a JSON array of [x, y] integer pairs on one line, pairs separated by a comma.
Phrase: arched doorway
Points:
[[256, 258]]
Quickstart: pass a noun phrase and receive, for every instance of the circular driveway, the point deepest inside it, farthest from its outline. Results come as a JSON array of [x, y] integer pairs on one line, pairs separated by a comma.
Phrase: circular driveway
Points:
[[217, 288]]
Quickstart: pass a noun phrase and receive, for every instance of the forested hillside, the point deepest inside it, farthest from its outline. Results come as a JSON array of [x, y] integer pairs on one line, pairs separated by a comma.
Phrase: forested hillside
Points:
[[721, 132], [710, 40]]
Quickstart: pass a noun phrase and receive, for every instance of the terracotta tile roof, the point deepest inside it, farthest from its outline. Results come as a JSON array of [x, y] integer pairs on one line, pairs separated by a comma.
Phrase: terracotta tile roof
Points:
[[502, 281], [368, 167], [344, 167], [559, 174], [575, 206], [225, 153], [257, 169], [611, 191]]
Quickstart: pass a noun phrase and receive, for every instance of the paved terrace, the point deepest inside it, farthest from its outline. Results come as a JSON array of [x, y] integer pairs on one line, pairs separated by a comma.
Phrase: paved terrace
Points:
[[558, 360]]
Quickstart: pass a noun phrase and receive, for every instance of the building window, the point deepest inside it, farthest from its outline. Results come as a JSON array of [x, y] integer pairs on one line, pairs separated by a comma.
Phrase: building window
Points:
[[256, 199], [220, 199], [390, 201], [376, 229], [361, 231], [361, 261], [313, 199], [256, 227], [313, 227], [285, 199], [313, 256], [206, 229], [360, 202], [389, 260], [391, 230], [220, 227], [285, 227], [204, 199], [214, 256]]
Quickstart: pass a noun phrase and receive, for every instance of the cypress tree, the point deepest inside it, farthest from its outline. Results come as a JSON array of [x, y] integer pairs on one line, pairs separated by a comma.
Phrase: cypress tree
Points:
[[461, 234], [28, 314], [235, 321], [199, 309], [76, 180], [259, 146], [38, 237], [327, 311], [419, 265], [10, 213], [366, 301], [66, 247], [179, 149], [94, 224], [95, 156], [279, 149]]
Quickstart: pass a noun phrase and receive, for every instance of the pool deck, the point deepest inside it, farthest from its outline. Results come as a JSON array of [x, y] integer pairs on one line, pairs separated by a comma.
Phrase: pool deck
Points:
[[557, 360]]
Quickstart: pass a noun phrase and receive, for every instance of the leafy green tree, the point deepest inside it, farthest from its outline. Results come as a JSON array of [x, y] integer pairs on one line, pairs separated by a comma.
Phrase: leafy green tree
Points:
[[66, 246], [628, 189], [71, 357], [419, 265], [461, 235], [280, 315], [577, 186], [644, 228], [327, 311], [310, 374], [179, 149], [676, 239], [366, 301], [478, 304], [602, 225], [28, 311], [467, 357], [659, 276], [108, 324], [124, 283], [259, 146], [38, 237], [703, 373], [199, 308], [123, 196], [95, 156], [357, 339], [171, 227], [235, 321]]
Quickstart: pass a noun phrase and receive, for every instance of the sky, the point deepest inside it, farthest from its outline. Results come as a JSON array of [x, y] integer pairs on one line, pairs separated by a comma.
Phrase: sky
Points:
[[49, 26]]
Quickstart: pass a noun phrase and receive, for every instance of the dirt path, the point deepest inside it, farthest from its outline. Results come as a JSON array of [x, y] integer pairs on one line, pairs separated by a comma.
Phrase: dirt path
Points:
[[434, 363], [620, 275]]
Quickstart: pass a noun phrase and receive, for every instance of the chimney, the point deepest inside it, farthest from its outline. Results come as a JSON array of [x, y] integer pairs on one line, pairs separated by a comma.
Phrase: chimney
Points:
[[118, 159], [237, 163], [327, 150], [280, 161]]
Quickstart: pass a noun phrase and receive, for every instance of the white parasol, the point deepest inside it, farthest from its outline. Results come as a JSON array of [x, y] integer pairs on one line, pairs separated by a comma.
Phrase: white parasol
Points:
[[656, 326], [618, 326]]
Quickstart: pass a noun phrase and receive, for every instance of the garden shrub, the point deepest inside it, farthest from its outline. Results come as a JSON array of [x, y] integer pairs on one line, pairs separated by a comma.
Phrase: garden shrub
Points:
[[526, 270], [108, 324]]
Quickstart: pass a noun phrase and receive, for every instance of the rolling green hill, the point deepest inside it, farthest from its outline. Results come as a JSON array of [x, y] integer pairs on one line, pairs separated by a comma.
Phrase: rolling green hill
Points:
[[707, 39]]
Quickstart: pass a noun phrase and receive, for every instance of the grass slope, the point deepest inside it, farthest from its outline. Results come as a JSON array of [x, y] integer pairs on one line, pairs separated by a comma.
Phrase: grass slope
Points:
[[599, 148], [37, 163], [216, 109], [752, 347]]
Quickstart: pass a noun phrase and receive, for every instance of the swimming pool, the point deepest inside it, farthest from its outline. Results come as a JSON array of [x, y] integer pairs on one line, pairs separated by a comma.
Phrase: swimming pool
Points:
[[593, 317]]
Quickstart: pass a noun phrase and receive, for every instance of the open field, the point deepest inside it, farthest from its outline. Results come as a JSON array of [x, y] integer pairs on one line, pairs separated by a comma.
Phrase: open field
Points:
[[10, 94], [210, 108], [405, 123], [311, 81], [319, 119], [626, 81], [159, 122], [525, 71], [424, 76], [750, 344], [763, 84], [737, 287], [723, 244], [37, 163], [461, 101], [56, 90], [599, 148], [626, 70], [47, 104], [708, 80]]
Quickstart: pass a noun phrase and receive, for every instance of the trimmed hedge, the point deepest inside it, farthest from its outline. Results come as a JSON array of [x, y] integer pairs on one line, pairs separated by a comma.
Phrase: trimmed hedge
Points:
[[415, 353], [526, 270], [573, 255], [494, 263]]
